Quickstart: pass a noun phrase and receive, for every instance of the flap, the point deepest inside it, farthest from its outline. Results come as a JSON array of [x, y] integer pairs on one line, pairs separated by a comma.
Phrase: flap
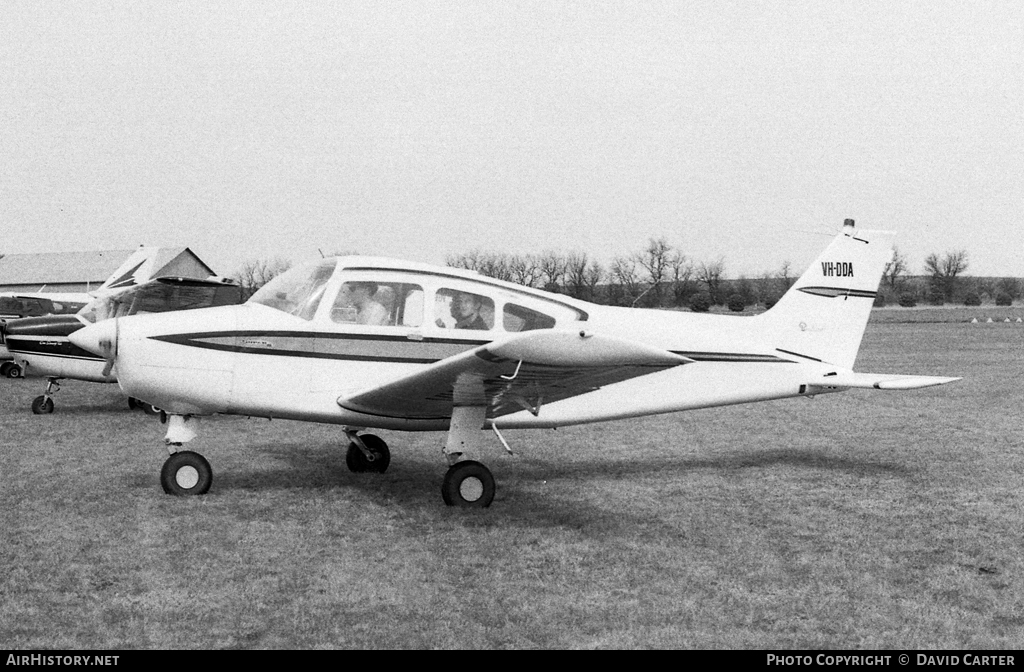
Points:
[[523, 372]]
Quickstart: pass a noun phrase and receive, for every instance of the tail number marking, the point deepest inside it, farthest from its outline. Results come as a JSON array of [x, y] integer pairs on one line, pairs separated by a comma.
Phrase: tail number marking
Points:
[[837, 269]]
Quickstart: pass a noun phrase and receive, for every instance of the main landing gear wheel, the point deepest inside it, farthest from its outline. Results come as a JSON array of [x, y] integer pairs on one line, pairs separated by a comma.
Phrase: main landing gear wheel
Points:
[[468, 484], [359, 462], [186, 473], [11, 370], [42, 405]]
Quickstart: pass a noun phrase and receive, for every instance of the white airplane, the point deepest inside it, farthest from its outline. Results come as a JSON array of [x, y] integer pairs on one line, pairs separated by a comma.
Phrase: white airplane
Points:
[[16, 305], [459, 352], [137, 268], [41, 348]]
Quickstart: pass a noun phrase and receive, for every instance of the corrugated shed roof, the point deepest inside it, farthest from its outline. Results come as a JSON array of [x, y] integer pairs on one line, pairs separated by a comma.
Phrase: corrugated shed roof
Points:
[[70, 267]]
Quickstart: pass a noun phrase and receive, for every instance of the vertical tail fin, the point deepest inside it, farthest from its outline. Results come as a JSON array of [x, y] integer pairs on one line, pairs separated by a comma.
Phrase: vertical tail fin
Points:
[[136, 269], [824, 314]]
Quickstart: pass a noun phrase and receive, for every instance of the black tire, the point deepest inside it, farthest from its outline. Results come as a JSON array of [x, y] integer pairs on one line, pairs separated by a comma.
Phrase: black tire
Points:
[[186, 473], [149, 409], [358, 462], [12, 371], [41, 405], [468, 484], [133, 403]]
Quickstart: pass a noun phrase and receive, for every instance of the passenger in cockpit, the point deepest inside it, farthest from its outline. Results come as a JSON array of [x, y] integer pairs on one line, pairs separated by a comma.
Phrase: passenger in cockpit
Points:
[[466, 311]]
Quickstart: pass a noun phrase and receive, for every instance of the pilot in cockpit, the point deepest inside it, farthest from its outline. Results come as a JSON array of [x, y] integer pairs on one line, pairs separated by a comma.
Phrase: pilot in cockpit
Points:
[[364, 308]]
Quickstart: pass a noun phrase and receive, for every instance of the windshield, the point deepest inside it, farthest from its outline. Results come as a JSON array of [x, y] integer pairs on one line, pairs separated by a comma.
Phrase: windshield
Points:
[[160, 296], [297, 291]]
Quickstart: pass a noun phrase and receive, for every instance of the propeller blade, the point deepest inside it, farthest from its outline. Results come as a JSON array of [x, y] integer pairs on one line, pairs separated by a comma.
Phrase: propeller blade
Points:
[[109, 349]]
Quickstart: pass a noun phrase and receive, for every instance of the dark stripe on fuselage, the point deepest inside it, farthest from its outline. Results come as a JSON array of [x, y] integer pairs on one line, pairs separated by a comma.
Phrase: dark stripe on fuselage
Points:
[[51, 347], [349, 347], [376, 347]]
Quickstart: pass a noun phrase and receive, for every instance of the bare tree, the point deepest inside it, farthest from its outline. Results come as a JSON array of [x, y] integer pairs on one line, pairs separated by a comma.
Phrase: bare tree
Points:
[[656, 260], [944, 272], [524, 269], [552, 270], [895, 268], [627, 279], [711, 275], [595, 274], [576, 264], [681, 271], [785, 277], [254, 274], [468, 260]]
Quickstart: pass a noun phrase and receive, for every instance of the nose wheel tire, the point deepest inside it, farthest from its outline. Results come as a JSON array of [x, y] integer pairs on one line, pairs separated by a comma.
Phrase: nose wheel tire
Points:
[[42, 405], [186, 473], [358, 462], [468, 484]]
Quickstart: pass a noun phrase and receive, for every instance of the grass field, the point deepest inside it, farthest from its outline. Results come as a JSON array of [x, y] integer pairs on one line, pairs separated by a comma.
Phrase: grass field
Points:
[[860, 520]]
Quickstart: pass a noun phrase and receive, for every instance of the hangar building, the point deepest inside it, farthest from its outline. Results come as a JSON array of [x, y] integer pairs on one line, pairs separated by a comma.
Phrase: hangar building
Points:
[[85, 271]]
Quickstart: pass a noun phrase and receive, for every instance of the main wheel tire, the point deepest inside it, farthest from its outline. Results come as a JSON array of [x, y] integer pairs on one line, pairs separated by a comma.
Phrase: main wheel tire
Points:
[[149, 409], [186, 473], [133, 403], [358, 462], [42, 405], [13, 371], [468, 484]]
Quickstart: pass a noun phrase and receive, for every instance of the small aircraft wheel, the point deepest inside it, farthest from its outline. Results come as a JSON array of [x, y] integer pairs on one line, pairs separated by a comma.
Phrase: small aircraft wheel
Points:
[[468, 484], [12, 371], [42, 405], [149, 409], [186, 473], [133, 403], [359, 463]]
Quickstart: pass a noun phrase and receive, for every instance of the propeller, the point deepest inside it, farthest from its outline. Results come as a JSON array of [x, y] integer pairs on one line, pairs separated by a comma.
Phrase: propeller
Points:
[[108, 348]]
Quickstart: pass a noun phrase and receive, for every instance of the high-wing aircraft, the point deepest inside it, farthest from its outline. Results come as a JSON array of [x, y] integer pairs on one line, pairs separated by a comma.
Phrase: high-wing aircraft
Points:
[[370, 343], [41, 348], [137, 268]]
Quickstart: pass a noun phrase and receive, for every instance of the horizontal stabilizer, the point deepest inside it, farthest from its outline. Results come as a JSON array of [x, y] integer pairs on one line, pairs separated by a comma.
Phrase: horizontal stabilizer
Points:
[[882, 381]]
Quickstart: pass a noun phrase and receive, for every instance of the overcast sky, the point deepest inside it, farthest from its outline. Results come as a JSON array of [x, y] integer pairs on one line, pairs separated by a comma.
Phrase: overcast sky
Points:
[[740, 130]]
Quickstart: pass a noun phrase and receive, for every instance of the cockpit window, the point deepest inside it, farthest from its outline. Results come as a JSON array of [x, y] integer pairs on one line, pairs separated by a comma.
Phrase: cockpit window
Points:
[[379, 304], [463, 310], [520, 318], [297, 291]]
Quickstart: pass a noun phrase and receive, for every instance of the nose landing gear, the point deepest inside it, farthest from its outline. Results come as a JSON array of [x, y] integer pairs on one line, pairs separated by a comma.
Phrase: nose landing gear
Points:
[[43, 404]]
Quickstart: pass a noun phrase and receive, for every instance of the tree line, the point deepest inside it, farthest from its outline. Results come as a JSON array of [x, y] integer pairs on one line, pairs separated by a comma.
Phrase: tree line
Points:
[[660, 275]]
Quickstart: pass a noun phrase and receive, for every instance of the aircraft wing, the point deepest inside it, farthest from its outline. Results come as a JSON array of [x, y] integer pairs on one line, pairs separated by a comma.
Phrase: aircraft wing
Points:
[[523, 372]]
